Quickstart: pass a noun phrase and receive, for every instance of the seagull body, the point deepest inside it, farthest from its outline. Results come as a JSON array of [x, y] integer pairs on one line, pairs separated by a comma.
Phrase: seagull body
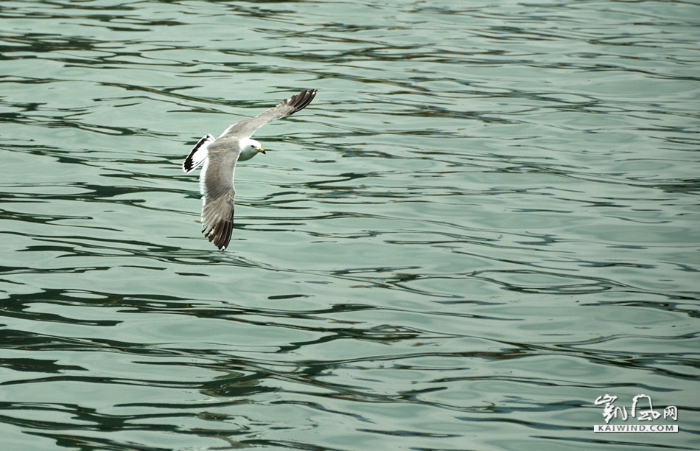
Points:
[[220, 155]]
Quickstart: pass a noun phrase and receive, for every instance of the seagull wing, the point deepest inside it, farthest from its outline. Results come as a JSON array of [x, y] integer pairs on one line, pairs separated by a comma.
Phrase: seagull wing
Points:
[[246, 128], [216, 182], [198, 154]]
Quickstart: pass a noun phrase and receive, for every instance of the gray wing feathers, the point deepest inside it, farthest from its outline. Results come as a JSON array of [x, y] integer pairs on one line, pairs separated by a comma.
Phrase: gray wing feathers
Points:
[[217, 220], [219, 194], [287, 107]]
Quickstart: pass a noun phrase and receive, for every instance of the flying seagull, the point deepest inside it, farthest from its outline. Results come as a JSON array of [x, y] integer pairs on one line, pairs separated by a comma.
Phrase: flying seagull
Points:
[[220, 156]]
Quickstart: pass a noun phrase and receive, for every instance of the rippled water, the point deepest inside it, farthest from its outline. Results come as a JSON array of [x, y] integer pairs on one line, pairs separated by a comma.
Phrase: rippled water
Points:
[[487, 219]]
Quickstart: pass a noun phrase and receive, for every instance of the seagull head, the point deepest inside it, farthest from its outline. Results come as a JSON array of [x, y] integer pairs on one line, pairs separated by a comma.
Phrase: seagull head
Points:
[[249, 149]]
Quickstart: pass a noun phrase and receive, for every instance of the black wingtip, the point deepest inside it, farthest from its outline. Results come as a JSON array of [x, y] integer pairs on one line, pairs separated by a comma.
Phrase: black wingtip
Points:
[[302, 100], [190, 164], [220, 234]]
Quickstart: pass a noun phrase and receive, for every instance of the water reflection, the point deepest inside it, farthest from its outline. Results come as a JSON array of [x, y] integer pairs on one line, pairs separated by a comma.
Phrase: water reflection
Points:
[[486, 222]]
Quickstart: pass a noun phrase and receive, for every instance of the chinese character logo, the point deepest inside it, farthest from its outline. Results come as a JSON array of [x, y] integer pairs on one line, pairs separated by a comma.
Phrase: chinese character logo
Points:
[[671, 412], [638, 410], [644, 415], [610, 411]]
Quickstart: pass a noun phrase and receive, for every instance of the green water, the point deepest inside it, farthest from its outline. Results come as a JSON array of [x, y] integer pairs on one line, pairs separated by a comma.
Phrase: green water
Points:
[[486, 220]]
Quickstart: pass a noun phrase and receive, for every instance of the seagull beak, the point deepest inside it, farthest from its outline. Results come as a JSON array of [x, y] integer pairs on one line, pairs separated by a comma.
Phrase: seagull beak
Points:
[[262, 151]]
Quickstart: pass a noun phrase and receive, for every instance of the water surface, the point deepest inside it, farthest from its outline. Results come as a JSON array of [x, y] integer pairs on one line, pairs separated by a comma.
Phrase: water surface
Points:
[[486, 220]]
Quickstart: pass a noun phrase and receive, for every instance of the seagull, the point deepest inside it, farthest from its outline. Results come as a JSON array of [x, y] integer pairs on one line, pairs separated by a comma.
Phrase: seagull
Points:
[[220, 155]]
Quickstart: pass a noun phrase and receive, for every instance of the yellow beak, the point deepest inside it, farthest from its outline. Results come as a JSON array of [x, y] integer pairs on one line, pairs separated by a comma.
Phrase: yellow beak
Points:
[[261, 150]]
